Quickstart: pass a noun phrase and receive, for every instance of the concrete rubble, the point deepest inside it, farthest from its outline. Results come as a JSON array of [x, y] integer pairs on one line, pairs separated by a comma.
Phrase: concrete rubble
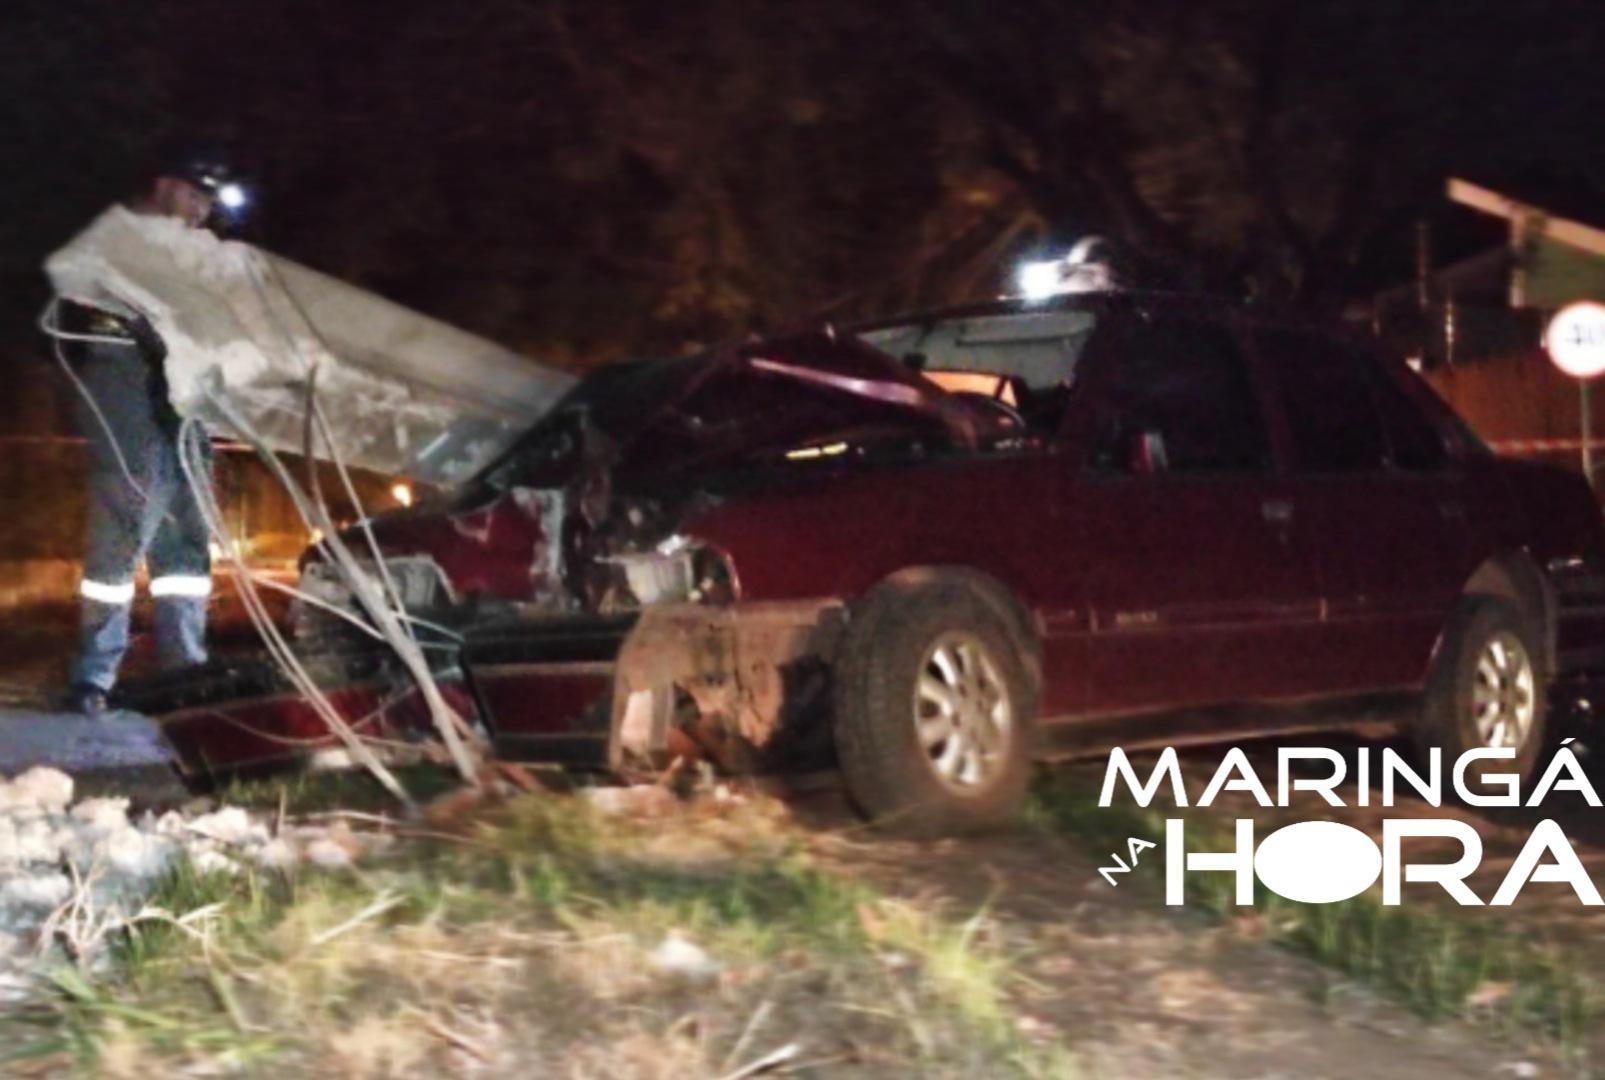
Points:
[[91, 855], [680, 958]]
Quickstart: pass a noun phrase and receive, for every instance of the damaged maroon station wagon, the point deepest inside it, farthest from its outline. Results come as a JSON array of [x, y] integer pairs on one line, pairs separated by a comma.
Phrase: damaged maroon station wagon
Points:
[[926, 551]]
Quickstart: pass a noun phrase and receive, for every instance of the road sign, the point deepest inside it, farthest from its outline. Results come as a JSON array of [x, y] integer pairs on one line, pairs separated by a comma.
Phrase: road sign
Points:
[[1575, 339]]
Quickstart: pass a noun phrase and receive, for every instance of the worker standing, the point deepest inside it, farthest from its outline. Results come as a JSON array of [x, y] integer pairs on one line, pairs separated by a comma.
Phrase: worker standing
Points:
[[140, 504]]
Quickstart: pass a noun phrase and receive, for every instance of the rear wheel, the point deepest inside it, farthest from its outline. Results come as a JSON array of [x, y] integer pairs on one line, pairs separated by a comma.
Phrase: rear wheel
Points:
[[934, 710], [1486, 690]]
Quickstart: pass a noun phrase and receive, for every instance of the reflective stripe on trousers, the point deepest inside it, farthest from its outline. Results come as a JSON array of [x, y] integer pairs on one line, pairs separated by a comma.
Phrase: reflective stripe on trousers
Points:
[[105, 592], [191, 585]]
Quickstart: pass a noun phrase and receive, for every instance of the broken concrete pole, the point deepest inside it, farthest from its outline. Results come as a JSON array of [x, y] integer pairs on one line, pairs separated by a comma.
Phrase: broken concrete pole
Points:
[[405, 393]]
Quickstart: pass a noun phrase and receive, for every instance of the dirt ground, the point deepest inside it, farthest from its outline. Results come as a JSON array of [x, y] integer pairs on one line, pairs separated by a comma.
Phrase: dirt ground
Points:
[[1140, 990], [1137, 989], [1548, 913]]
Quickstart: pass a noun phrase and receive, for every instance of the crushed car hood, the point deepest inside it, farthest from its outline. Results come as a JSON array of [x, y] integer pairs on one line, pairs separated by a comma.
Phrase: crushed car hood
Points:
[[692, 413], [624, 455]]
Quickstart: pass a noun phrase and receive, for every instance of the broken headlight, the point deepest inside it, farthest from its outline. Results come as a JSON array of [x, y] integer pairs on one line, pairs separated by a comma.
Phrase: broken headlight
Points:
[[678, 570]]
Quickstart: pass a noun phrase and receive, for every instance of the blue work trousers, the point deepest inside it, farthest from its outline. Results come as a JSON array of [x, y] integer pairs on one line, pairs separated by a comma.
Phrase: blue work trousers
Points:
[[146, 512]]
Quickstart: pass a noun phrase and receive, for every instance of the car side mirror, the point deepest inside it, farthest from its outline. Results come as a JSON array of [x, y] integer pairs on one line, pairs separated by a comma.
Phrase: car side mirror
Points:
[[1145, 452]]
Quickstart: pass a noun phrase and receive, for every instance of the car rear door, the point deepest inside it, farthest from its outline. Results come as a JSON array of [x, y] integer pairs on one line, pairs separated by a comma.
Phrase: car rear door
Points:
[[1201, 582], [1387, 503]]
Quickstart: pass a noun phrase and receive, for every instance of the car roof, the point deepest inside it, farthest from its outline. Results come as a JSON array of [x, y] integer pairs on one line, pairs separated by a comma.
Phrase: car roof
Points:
[[1015, 305], [1193, 303]]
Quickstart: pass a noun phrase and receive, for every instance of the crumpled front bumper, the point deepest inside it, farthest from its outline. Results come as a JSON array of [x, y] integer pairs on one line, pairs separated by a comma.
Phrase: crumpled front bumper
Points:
[[732, 683], [242, 714]]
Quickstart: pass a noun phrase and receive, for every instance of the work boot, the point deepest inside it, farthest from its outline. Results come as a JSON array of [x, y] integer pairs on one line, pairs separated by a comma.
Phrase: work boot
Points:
[[86, 700]]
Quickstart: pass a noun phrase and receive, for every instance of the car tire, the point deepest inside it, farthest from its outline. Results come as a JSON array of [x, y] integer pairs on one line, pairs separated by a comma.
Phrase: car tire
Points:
[[1487, 687], [934, 710]]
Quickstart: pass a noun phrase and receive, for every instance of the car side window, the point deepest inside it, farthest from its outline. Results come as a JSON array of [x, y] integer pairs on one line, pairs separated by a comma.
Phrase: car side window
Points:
[[1415, 444], [1328, 399], [1177, 397]]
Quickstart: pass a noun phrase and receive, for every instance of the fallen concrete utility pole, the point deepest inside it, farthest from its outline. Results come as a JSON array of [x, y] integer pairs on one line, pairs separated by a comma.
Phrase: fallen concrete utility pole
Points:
[[290, 360], [406, 394]]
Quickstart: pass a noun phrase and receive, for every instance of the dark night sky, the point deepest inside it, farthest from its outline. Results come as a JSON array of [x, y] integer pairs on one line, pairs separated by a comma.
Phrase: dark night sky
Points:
[[580, 179]]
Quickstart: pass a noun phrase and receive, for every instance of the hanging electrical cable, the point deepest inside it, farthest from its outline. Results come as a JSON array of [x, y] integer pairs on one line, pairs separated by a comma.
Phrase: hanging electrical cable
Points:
[[192, 463], [384, 605], [452, 727], [50, 328], [254, 273], [454, 731], [446, 719]]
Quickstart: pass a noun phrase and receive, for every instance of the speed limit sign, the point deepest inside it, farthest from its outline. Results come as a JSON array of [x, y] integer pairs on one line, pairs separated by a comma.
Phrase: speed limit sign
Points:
[[1575, 339]]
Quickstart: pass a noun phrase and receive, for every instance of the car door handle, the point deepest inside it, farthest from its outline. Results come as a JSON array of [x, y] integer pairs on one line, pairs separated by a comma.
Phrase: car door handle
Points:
[[1277, 511], [1451, 510]]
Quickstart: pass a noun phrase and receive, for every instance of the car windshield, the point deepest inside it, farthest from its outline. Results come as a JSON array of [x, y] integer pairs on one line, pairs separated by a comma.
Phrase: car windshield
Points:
[[610, 400], [1027, 360], [1036, 350]]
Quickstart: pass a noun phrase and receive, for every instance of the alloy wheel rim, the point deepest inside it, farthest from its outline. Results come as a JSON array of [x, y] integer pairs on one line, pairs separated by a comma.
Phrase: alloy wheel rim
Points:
[[963, 716], [1503, 702]]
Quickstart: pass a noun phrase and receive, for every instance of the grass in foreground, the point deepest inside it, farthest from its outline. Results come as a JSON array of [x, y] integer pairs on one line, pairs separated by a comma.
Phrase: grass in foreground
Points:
[[310, 791], [524, 946], [1441, 963]]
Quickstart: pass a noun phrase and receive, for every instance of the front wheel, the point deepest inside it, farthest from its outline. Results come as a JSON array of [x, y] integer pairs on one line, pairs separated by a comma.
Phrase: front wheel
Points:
[[934, 710], [1487, 690]]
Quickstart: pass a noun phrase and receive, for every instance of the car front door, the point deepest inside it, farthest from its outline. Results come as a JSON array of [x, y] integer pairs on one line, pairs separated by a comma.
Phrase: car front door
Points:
[[1200, 578], [1386, 502]]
